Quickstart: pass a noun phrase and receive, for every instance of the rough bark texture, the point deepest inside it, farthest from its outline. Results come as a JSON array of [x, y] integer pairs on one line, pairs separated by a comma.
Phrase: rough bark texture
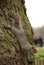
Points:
[[10, 49]]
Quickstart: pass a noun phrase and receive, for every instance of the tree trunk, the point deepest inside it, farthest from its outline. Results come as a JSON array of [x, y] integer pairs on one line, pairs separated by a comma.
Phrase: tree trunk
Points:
[[11, 52]]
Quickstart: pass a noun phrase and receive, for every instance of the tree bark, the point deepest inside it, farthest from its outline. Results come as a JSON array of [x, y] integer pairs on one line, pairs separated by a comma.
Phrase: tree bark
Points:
[[14, 38]]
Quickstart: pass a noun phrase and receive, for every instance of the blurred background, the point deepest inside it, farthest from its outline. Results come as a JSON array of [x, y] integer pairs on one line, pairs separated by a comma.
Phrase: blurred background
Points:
[[35, 13]]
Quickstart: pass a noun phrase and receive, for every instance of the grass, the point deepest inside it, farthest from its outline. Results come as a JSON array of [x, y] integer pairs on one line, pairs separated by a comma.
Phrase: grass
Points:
[[40, 53]]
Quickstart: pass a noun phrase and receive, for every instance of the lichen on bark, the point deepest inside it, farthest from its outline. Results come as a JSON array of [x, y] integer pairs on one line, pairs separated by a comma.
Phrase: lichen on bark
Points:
[[10, 49]]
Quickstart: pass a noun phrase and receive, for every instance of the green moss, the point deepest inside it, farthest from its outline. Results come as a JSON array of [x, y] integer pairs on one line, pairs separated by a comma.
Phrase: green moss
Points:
[[9, 44]]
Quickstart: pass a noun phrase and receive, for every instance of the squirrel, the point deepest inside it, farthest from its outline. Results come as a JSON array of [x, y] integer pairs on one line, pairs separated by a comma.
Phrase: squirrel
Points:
[[17, 29]]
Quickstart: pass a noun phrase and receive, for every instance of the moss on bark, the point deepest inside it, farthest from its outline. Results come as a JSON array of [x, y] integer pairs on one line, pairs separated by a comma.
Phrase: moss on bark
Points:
[[10, 49]]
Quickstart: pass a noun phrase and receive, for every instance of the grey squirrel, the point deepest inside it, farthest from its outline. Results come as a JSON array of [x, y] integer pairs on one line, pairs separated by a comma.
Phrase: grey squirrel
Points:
[[17, 29]]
